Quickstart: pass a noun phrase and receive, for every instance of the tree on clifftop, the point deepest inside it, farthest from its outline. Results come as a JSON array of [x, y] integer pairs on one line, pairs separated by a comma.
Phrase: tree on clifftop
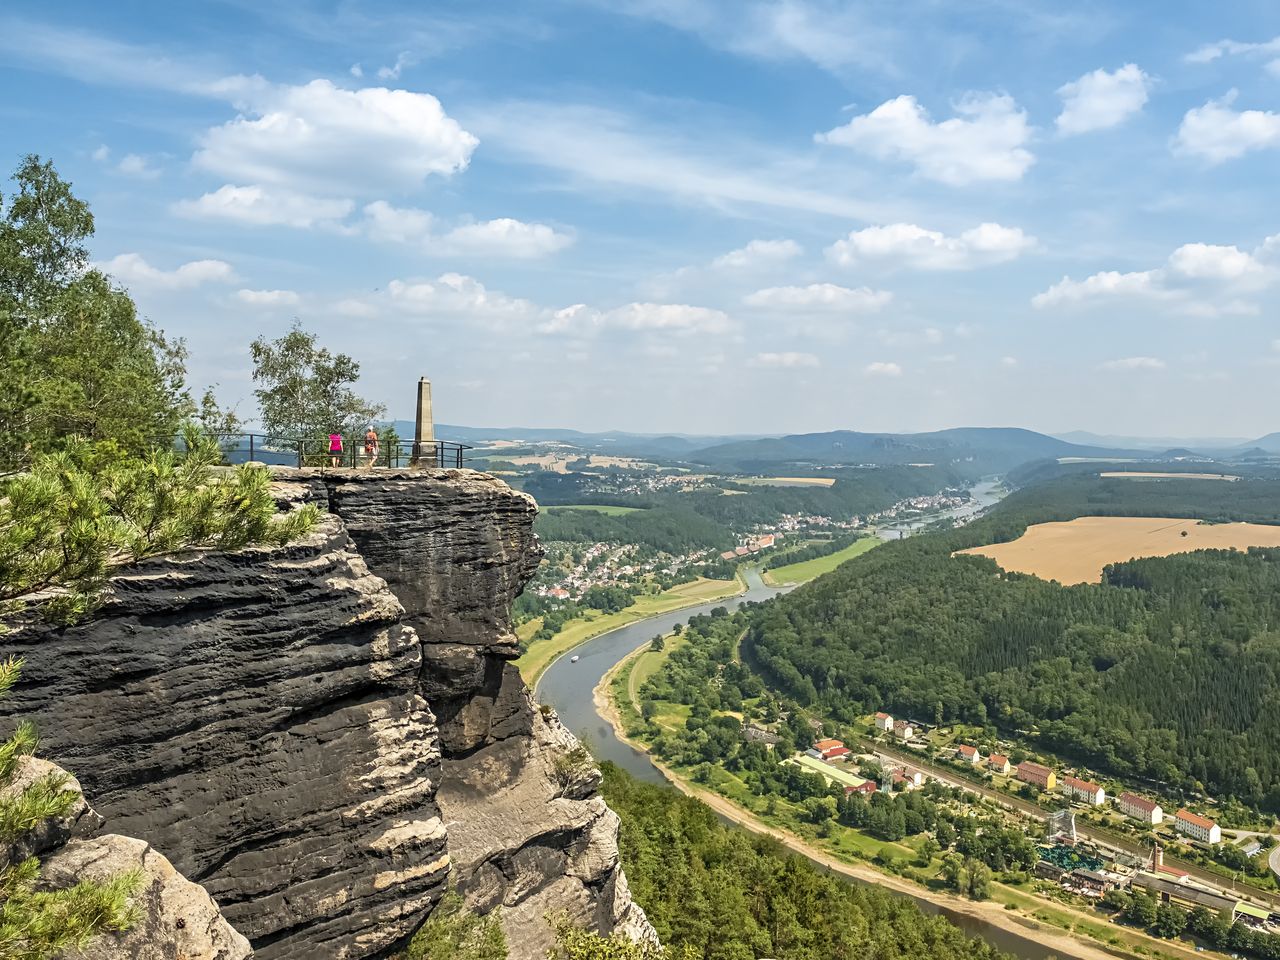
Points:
[[75, 358], [305, 390], [77, 513]]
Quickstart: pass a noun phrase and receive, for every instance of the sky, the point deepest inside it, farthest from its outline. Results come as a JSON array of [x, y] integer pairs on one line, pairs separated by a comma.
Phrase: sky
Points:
[[696, 216]]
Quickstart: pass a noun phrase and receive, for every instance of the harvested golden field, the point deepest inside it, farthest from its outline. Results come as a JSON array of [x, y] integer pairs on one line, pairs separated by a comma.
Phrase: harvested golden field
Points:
[[1141, 475], [1076, 551], [788, 481]]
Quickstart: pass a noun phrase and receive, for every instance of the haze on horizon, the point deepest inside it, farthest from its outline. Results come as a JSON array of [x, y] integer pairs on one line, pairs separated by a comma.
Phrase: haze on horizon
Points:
[[703, 217]]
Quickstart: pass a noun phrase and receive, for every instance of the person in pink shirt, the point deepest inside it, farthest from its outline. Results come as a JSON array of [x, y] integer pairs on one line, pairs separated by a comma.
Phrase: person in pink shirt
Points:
[[335, 449]]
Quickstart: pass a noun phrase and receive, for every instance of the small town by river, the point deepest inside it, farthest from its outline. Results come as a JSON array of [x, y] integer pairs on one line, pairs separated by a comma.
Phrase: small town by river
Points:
[[569, 687]]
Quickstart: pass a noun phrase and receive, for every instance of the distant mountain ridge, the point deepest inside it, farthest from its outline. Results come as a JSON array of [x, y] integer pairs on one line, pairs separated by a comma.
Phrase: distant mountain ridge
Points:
[[984, 449]]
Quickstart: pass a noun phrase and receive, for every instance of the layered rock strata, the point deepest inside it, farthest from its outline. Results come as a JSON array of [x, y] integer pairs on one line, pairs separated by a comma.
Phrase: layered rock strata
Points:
[[324, 734]]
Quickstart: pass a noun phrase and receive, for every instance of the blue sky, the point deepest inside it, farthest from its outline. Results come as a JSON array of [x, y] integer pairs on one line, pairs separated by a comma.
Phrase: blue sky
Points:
[[692, 215]]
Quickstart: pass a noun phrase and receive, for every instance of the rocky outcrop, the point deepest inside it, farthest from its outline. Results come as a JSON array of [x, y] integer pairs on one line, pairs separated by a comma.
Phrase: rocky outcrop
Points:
[[323, 734], [528, 832], [175, 918]]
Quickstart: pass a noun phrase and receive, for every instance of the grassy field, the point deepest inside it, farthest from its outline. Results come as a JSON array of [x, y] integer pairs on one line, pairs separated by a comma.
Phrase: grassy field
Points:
[[604, 508], [539, 655], [808, 569], [1076, 551]]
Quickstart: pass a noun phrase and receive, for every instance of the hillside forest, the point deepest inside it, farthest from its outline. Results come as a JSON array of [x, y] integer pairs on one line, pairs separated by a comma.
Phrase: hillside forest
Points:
[[1167, 670]]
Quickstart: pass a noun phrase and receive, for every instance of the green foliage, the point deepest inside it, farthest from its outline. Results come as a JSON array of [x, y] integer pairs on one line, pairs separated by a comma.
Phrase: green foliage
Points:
[[454, 933], [305, 390], [1170, 920], [42, 924], [573, 943], [1114, 675], [78, 512], [75, 358], [724, 894]]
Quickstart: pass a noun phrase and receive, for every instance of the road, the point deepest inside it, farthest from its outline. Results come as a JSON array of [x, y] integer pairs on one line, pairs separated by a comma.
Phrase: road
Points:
[[1086, 830], [1274, 860]]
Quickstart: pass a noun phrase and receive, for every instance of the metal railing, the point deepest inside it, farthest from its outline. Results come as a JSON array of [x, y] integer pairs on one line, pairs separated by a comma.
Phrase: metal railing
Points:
[[315, 452]]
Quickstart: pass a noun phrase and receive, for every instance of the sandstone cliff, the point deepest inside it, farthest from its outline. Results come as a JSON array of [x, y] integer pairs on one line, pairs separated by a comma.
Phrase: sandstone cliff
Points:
[[323, 734]]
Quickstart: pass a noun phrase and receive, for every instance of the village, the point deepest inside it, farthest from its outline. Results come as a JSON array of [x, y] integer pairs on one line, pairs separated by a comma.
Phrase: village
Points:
[[1082, 859]]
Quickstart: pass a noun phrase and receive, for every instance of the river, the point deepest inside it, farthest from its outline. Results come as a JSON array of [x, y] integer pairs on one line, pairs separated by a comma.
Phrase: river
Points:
[[982, 495], [569, 686]]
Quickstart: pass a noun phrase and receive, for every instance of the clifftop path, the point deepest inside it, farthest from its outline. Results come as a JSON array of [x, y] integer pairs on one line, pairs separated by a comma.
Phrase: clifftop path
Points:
[[323, 734]]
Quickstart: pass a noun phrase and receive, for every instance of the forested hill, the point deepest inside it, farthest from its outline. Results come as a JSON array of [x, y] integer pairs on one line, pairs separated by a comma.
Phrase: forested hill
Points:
[[1169, 669], [722, 893]]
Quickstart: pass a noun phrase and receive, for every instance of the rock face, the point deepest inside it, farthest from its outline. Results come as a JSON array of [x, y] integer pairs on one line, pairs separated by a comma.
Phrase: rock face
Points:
[[527, 830], [323, 734], [176, 919]]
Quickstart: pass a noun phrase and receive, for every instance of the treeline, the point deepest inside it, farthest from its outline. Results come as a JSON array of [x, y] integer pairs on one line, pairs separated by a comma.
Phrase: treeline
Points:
[[1168, 670], [727, 894], [673, 529], [822, 548]]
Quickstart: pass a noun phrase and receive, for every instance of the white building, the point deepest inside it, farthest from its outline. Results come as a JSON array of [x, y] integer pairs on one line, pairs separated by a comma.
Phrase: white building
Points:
[[884, 722], [1140, 808], [1078, 789], [903, 730], [1197, 827]]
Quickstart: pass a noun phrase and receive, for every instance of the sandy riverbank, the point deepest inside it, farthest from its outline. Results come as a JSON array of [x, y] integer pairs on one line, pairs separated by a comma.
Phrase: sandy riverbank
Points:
[[1068, 946]]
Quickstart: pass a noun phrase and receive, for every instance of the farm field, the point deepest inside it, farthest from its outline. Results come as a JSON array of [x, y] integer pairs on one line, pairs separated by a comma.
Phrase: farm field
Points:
[[1146, 475], [806, 570], [606, 509], [1076, 551], [787, 481]]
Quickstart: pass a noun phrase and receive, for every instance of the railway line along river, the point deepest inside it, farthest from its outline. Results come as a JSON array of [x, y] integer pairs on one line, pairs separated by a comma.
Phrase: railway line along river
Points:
[[568, 685]]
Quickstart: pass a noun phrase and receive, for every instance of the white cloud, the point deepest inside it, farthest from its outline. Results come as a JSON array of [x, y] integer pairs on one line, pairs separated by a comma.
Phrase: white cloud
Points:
[[132, 269], [357, 71], [505, 237], [1208, 261], [1212, 51], [882, 368], [454, 296], [1133, 363], [788, 360], [268, 298], [1099, 100], [1182, 280], [615, 152], [758, 253], [820, 296], [1008, 361], [914, 246], [834, 37], [1216, 133], [136, 165], [319, 138], [262, 206], [102, 154], [388, 224], [1109, 283], [677, 318], [985, 141], [393, 72]]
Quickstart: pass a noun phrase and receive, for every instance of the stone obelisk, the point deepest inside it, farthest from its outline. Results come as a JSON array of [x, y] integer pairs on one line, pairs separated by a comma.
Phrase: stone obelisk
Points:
[[424, 430]]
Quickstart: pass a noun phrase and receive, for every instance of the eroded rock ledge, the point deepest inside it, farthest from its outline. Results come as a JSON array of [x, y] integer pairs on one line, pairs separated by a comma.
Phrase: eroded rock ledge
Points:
[[323, 735]]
